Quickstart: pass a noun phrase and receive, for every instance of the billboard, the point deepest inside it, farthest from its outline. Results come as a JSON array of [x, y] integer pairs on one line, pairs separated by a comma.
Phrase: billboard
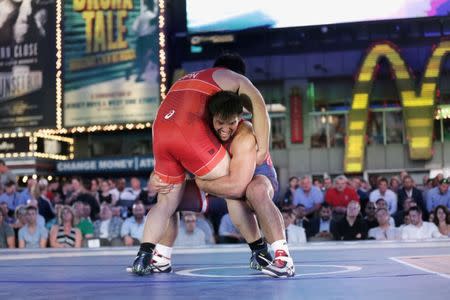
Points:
[[234, 15], [27, 63], [111, 70]]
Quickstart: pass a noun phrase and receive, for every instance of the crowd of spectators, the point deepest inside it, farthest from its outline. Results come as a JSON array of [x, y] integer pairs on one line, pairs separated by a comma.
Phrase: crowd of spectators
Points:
[[353, 209], [108, 212]]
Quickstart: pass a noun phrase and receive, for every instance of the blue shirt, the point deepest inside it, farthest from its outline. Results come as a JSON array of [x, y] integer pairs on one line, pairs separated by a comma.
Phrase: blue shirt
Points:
[[33, 240], [435, 198], [132, 228], [13, 200], [315, 196]]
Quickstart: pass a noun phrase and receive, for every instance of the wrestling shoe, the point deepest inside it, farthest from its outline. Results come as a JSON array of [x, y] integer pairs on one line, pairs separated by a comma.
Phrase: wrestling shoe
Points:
[[142, 264], [260, 258], [281, 266], [161, 264]]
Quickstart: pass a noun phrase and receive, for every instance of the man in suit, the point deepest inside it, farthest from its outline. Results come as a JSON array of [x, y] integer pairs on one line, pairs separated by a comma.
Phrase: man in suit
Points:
[[320, 228], [409, 191]]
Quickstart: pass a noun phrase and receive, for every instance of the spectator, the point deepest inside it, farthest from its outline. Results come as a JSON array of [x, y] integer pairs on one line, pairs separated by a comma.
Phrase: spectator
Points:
[[12, 197], [408, 190], [26, 193], [340, 196], [403, 174], [383, 192], [50, 223], [204, 225], [39, 192], [300, 217], [117, 188], [399, 216], [82, 219], [363, 195], [130, 194], [438, 195], [65, 234], [288, 199], [384, 231], [394, 184], [308, 195], [39, 219], [419, 229], [6, 218], [7, 238], [32, 235], [107, 228], [320, 228], [105, 195], [381, 203], [352, 227], [327, 183], [294, 234], [370, 218], [228, 233], [133, 227], [86, 197], [148, 196], [5, 174], [190, 235], [318, 183], [442, 220], [20, 216]]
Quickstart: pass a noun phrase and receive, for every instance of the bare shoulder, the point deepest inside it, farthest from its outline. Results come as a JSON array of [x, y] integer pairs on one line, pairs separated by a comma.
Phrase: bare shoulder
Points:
[[227, 80], [244, 135]]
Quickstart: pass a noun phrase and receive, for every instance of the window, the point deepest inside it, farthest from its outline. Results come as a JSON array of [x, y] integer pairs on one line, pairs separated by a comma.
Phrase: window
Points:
[[328, 130], [278, 124], [394, 127]]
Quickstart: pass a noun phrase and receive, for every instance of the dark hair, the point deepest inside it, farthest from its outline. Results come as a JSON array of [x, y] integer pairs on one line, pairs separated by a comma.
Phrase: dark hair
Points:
[[445, 209], [225, 104], [2, 162], [415, 208], [379, 200], [231, 61], [382, 179], [10, 183], [325, 205]]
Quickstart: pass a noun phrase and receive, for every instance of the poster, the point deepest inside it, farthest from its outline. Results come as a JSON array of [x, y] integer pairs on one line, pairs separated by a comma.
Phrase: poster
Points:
[[111, 69], [27, 63]]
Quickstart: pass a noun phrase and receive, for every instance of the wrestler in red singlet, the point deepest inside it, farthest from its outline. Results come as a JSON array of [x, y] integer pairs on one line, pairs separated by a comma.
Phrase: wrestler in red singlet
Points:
[[182, 139]]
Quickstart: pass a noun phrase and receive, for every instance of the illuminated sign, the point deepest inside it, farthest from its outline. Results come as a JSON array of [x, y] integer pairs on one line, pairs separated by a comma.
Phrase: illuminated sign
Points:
[[418, 109], [28, 144]]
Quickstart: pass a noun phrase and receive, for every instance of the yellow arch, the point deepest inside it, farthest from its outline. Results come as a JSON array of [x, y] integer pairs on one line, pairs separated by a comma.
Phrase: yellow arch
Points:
[[418, 110]]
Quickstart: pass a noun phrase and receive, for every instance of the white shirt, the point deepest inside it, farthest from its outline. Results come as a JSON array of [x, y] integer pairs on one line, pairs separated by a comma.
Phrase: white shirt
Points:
[[104, 229], [389, 196], [195, 238], [426, 231], [391, 233], [295, 234]]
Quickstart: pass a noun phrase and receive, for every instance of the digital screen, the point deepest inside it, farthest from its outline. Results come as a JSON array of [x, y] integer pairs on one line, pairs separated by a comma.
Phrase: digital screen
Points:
[[231, 15]]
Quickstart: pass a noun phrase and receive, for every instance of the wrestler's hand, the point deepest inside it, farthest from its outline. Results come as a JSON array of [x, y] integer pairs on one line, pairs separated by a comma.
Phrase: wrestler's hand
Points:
[[158, 185], [200, 183]]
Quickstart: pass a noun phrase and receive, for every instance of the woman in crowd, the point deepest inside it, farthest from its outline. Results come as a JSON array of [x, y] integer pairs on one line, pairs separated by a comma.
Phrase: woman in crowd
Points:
[[441, 219], [65, 234]]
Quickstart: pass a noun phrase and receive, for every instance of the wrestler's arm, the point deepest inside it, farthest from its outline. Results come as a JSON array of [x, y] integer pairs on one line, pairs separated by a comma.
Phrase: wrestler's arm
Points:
[[242, 168], [231, 81]]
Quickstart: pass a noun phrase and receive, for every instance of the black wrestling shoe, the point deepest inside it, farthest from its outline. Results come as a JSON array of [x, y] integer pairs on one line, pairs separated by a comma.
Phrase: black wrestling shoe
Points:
[[142, 264], [260, 258]]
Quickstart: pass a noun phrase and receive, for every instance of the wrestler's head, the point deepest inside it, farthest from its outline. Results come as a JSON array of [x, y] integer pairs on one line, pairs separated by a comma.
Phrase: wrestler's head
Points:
[[231, 61], [225, 109]]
